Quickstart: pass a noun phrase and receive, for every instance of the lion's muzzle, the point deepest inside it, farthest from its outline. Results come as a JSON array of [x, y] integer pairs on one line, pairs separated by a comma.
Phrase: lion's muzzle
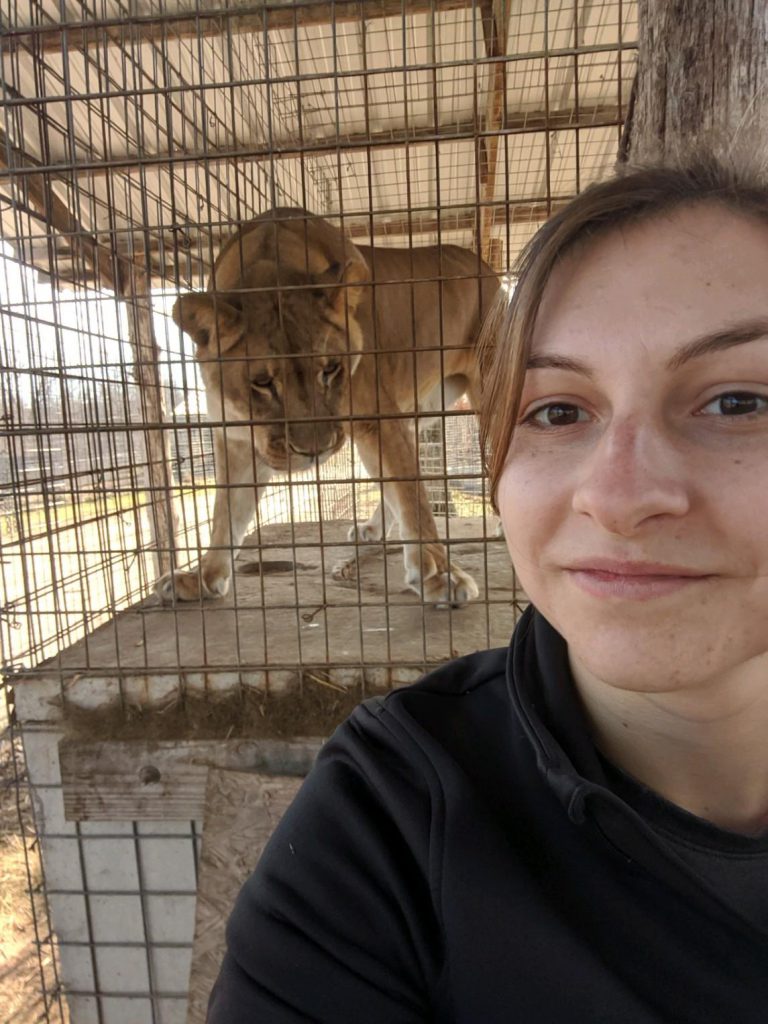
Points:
[[315, 441], [298, 455]]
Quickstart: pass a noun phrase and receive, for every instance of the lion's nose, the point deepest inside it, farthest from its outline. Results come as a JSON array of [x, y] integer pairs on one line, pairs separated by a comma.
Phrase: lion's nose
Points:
[[301, 451]]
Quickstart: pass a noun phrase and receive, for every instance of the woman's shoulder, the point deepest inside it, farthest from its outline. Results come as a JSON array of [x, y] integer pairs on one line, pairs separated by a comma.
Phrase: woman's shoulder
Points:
[[475, 680], [468, 674], [450, 719]]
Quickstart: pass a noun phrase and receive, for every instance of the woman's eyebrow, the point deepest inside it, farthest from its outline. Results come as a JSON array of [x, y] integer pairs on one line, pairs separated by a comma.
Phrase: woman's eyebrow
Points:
[[545, 362], [726, 337], [717, 341]]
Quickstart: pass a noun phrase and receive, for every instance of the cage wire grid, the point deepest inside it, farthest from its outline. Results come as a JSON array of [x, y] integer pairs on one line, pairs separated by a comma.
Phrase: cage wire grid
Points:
[[136, 138]]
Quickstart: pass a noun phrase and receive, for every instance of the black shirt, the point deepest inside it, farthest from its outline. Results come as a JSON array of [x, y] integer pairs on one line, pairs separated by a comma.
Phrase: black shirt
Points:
[[457, 856], [734, 866]]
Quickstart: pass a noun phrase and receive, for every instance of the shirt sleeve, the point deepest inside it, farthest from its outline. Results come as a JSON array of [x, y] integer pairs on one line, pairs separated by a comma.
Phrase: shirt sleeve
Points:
[[337, 923]]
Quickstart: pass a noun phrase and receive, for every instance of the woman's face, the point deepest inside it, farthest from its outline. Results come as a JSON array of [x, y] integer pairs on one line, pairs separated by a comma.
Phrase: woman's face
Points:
[[635, 496]]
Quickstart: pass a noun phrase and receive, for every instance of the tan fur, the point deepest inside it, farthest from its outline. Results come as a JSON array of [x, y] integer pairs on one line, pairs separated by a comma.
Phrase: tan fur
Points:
[[304, 339]]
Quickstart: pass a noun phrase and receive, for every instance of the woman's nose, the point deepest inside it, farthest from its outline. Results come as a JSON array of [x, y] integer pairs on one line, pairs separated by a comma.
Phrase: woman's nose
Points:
[[632, 475]]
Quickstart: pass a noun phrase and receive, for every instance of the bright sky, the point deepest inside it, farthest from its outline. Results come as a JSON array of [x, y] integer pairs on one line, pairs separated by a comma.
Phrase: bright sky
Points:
[[85, 335]]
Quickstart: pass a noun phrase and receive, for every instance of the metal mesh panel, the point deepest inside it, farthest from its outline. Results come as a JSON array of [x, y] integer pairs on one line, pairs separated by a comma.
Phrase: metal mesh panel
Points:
[[136, 139]]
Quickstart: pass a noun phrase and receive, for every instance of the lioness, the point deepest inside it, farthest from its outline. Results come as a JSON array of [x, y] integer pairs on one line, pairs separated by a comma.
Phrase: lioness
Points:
[[303, 339]]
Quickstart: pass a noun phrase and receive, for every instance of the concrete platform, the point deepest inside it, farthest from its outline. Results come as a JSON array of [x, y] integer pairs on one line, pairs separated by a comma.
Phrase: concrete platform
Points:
[[293, 613]]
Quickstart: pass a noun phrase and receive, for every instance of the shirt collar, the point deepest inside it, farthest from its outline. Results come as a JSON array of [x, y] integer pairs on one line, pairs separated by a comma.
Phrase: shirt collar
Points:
[[543, 693]]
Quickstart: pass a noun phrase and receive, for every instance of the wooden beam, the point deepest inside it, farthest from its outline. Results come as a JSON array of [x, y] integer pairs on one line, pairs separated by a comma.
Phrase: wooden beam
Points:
[[515, 211], [144, 780], [600, 115], [252, 19], [405, 226], [496, 29], [35, 191], [525, 211]]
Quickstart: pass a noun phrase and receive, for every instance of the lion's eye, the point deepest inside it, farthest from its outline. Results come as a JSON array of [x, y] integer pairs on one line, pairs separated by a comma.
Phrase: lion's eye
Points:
[[263, 381], [329, 371]]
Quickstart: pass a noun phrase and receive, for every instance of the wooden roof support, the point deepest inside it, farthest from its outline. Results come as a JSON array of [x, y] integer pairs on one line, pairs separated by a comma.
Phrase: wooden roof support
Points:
[[146, 362], [104, 269], [248, 18], [35, 191], [525, 211], [496, 31], [516, 212], [521, 123]]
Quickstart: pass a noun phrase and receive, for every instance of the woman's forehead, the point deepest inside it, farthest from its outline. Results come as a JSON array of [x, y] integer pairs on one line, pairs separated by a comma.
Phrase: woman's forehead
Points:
[[669, 278]]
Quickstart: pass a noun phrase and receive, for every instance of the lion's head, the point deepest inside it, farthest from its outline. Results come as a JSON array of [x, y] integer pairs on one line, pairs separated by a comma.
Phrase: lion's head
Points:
[[277, 343]]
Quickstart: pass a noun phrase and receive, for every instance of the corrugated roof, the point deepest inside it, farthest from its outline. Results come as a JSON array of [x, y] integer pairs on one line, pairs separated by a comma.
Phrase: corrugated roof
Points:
[[159, 133]]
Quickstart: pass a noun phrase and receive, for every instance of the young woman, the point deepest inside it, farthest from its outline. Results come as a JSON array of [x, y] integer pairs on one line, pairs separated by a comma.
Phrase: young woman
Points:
[[575, 830]]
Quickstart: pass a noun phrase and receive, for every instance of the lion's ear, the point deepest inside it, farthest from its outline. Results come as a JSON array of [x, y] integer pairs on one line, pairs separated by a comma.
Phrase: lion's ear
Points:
[[210, 320], [344, 285]]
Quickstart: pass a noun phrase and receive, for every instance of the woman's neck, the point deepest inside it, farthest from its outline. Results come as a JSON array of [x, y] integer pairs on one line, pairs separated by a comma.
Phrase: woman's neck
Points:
[[704, 749]]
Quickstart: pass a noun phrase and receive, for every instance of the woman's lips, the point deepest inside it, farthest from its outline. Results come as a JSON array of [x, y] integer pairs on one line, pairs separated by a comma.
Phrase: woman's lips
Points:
[[633, 581]]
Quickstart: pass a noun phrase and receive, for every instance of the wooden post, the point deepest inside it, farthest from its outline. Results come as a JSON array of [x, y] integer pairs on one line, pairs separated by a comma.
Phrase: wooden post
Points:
[[702, 78], [146, 354], [496, 32]]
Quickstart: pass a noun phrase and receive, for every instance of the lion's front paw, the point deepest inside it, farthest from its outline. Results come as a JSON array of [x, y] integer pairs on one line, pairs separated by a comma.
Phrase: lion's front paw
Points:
[[345, 571], [436, 580], [370, 532], [192, 586]]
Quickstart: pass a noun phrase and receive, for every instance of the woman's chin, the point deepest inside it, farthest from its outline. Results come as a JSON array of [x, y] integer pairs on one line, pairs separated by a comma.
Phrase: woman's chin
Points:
[[629, 656], [631, 677]]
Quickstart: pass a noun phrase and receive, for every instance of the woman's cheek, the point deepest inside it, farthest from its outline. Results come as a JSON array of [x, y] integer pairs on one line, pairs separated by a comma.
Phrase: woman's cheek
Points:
[[527, 513], [535, 475]]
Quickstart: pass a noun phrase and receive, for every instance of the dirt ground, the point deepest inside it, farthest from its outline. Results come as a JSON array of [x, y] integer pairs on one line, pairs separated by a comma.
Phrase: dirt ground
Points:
[[28, 990]]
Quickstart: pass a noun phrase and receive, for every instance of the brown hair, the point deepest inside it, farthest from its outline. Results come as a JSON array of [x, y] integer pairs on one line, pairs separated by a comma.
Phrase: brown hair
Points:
[[631, 196]]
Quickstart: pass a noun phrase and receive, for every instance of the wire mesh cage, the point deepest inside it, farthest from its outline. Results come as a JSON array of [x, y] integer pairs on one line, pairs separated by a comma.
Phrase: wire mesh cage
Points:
[[140, 140]]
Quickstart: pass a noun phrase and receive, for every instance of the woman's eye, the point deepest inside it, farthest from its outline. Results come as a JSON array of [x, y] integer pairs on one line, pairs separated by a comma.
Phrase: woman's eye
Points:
[[330, 370], [263, 381], [556, 414], [736, 403]]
